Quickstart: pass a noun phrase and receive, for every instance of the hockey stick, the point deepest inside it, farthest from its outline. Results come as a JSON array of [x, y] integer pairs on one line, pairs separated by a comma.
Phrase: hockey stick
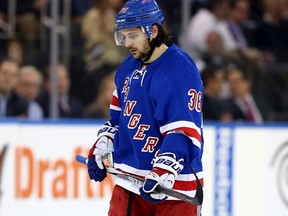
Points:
[[196, 200]]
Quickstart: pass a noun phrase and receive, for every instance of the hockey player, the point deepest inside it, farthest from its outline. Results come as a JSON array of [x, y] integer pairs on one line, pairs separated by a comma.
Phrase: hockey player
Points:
[[155, 130]]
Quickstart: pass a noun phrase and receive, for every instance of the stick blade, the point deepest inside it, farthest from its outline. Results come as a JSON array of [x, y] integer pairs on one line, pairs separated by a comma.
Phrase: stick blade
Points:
[[81, 159]]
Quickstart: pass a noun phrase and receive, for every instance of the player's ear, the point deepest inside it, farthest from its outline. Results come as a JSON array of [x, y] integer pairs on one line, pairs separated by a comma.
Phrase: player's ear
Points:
[[155, 31]]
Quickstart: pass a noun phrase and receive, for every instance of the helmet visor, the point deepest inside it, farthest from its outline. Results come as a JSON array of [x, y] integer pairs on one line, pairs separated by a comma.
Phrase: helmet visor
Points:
[[126, 37]]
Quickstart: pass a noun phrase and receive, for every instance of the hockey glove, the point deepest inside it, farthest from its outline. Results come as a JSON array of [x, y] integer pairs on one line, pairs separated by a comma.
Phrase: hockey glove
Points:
[[102, 148], [165, 170]]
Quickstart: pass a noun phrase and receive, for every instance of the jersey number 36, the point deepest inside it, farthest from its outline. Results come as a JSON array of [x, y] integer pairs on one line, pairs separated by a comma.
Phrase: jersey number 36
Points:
[[195, 100]]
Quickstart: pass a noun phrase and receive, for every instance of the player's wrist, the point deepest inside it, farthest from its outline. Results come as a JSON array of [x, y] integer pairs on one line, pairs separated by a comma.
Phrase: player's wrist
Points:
[[167, 162], [160, 171], [162, 177]]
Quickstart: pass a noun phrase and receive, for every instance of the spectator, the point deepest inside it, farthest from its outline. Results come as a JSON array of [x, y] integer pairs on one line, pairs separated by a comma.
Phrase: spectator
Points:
[[11, 104], [250, 107], [28, 28], [99, 108], [29, 87], [240, 30], [15, 50], [272, 31], [238, 16], [98, 34], [215, 53], [207, 19], [214, 107], [69, 106]]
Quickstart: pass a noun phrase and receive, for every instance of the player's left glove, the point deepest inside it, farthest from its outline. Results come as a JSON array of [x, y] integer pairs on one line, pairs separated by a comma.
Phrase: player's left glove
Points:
[[102, 148], [165, 170]]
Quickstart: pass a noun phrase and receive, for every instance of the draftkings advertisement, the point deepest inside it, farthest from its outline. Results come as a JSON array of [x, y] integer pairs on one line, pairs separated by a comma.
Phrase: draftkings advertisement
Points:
[[245, 169]]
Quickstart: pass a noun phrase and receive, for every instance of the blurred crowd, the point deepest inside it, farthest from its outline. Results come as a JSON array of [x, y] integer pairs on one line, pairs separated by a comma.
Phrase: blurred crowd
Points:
[[239, 46]]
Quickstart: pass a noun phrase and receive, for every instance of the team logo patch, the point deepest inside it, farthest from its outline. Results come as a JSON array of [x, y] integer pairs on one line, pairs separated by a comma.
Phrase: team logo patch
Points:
[[137, 74]]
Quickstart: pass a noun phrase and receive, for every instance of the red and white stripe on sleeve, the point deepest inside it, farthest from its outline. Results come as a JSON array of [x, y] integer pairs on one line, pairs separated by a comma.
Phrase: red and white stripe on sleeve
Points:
[[115, 102], [187, 128]]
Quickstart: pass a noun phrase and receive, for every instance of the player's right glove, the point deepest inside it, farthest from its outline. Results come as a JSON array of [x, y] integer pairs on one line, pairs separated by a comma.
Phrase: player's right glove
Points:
[[165, 170], [102, 148]]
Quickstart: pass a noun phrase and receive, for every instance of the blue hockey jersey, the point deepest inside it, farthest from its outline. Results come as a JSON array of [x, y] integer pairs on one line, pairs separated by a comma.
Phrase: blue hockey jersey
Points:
[[158, 109]]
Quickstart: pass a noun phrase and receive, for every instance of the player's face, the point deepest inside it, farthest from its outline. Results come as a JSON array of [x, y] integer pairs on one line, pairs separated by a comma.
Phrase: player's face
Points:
[[137, 42]]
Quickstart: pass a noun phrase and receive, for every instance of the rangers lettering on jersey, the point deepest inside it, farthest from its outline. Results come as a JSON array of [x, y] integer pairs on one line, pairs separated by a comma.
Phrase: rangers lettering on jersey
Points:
[[134, 121], [129, 106], [125, 89]]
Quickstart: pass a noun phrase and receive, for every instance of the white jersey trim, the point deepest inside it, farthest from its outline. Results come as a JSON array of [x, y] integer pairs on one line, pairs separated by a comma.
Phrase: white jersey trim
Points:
[[112, 107], [195, 142], [132, 170], [190, 177], [178, 124], [115, 93], [143, 173]]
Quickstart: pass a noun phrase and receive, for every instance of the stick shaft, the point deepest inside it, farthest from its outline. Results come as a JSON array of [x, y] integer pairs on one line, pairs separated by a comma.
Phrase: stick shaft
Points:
[[140, 181]]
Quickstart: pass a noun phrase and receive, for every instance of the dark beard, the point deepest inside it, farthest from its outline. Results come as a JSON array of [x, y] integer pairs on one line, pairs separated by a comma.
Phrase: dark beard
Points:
[[149, 52], [146, 53]]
